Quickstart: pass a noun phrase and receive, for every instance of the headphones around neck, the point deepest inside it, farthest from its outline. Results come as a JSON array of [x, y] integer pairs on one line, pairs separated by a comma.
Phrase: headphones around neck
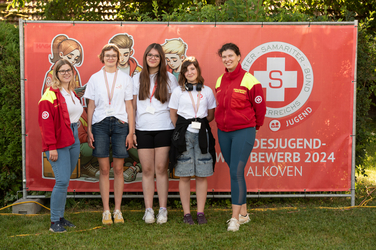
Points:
[[189, 86]]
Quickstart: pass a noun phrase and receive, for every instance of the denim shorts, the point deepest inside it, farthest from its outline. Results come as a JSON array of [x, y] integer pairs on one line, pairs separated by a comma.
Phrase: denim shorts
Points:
[[110, 130], [193, 162]]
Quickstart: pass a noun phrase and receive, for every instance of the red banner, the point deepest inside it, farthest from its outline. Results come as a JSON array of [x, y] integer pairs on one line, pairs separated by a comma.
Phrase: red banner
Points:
[[307, 73]]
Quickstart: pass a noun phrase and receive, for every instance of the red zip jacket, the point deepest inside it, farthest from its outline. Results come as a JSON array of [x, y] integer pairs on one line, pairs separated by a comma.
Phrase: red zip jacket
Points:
[[54, 122], [241, 102]]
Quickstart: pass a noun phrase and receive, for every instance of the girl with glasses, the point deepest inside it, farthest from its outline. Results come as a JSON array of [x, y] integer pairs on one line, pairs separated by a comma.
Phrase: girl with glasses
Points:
[[110, 120], [59, 112], [151, 94]]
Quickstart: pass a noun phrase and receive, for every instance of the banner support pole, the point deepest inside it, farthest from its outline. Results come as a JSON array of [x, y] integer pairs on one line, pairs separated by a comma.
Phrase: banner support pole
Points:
[[22, 82], [354, 120]]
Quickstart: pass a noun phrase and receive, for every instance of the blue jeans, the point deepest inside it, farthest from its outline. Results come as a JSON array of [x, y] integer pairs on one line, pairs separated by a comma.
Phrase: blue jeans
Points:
[[63, 168], [236, 146]]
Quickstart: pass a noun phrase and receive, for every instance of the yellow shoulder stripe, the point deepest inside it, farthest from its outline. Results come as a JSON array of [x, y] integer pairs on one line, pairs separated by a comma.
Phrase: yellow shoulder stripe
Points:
[[48, 96], [249, 81], [84, 123], [219, 81]]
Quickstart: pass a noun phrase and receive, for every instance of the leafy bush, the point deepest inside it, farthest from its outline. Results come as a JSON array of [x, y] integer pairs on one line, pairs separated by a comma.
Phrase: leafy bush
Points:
[[10, 114]]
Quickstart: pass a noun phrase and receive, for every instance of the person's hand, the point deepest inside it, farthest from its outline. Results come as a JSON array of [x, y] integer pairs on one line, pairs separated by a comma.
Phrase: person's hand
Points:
[[53, 155], [90, 139], [129, 142]]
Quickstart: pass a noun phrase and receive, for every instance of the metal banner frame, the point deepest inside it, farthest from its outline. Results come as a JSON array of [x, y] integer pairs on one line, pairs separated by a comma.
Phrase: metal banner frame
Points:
[[210, 194]]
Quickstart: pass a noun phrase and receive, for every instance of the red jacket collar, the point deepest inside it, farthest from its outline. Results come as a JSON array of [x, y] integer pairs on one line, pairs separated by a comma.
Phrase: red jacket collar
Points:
[[235, 73]]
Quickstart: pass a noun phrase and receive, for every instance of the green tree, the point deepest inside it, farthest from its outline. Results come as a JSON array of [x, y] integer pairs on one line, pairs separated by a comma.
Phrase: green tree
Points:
[[10, 114]]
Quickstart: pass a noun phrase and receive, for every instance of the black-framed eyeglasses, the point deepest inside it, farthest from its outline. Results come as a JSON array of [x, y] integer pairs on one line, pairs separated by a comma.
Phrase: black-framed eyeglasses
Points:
[[63, 72], [155, 56]]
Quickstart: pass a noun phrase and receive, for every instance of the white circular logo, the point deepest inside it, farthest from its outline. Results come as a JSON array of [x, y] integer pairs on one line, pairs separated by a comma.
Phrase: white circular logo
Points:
[[277, 79], [45, 115], [258, 99], [274, 125]]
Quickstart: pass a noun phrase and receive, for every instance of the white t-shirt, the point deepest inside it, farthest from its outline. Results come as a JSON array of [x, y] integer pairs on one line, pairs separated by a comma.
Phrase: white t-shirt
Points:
[[160, 120], [181, 101], [75, 108], [96, 90]]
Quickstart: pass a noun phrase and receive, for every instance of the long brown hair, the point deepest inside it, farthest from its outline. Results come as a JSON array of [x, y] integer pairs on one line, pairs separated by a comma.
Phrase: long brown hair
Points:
[[184, 66], [56, 83], [161, 92]]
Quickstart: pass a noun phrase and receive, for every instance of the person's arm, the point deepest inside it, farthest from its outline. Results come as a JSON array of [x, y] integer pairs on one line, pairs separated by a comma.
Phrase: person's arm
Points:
[[90, 112], [47, 126], [210, 116], [131, 140], [174, 116]]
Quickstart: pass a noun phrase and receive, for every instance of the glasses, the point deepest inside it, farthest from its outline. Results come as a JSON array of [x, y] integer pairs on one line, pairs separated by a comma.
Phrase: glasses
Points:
[[111, 56], [155, 56], [63, 72]]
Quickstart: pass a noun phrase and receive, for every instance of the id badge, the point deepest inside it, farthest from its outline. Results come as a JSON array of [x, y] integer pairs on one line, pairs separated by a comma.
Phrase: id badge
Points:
[[196, 125], [110, 112], [150, 110]]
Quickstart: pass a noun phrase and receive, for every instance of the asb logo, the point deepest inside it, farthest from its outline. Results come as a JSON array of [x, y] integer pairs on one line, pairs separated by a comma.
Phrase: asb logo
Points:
[[45, 115], [286, 74]]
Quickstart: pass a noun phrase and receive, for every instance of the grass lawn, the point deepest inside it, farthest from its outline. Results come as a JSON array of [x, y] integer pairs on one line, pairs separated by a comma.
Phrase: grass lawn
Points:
[[314, 223]]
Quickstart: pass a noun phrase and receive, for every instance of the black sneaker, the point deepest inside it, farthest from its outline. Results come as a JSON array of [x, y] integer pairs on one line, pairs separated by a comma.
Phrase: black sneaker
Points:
[[57, 227], [66, 223], [201, 219], [188, 219]]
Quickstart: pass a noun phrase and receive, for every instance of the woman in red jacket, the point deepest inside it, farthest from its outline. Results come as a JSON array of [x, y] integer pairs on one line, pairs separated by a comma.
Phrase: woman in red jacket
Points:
[[59, 113], [240, 113]]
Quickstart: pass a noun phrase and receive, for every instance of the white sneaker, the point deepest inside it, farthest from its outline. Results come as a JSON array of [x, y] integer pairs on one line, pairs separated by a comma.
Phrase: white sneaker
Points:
[[244, 219], [162, 216], [233, 225], [149, 216]]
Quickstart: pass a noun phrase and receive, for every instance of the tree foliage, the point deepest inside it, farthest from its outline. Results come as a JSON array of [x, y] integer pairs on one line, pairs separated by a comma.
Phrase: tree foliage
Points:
[[10, 113]]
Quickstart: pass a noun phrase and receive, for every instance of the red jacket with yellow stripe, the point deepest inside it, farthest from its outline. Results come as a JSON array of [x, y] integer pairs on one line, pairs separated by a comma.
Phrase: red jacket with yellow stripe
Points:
[[54, 122], [241, 102]]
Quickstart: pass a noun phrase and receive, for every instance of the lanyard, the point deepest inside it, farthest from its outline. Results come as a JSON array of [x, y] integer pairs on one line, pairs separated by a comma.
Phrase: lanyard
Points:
[[193, 102], [110, 93], [152, 93]]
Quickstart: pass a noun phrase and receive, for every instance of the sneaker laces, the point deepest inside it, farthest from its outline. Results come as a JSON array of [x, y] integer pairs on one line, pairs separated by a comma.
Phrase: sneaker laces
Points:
[[148, 211], [118, 214], [106, 215], [162, 212]]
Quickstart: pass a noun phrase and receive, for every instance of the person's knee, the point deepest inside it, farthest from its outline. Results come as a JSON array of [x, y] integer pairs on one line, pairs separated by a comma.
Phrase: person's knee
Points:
[[147, 171], [118, 171]]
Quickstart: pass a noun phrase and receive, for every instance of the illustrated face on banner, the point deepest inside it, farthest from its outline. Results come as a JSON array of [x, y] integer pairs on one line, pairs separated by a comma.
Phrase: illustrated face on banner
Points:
[[73, 57], [175, 52], [174, 61], [63, 47], [287, 78], [124, 57], [127, 63]]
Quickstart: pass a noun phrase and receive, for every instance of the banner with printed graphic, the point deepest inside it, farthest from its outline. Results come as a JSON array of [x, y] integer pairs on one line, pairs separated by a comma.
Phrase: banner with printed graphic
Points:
[[307, 73]]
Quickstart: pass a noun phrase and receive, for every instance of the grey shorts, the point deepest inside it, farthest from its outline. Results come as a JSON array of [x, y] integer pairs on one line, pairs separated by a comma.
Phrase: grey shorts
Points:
[[193, 162]]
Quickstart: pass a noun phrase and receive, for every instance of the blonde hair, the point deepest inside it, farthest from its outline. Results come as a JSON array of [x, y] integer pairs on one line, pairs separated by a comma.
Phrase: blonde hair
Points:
[[56, 83], [123, 41], [174, 46]]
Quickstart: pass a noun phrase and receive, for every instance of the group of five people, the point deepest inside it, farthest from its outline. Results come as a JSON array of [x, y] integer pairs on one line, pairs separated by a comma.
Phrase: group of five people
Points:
[[165, 119]]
